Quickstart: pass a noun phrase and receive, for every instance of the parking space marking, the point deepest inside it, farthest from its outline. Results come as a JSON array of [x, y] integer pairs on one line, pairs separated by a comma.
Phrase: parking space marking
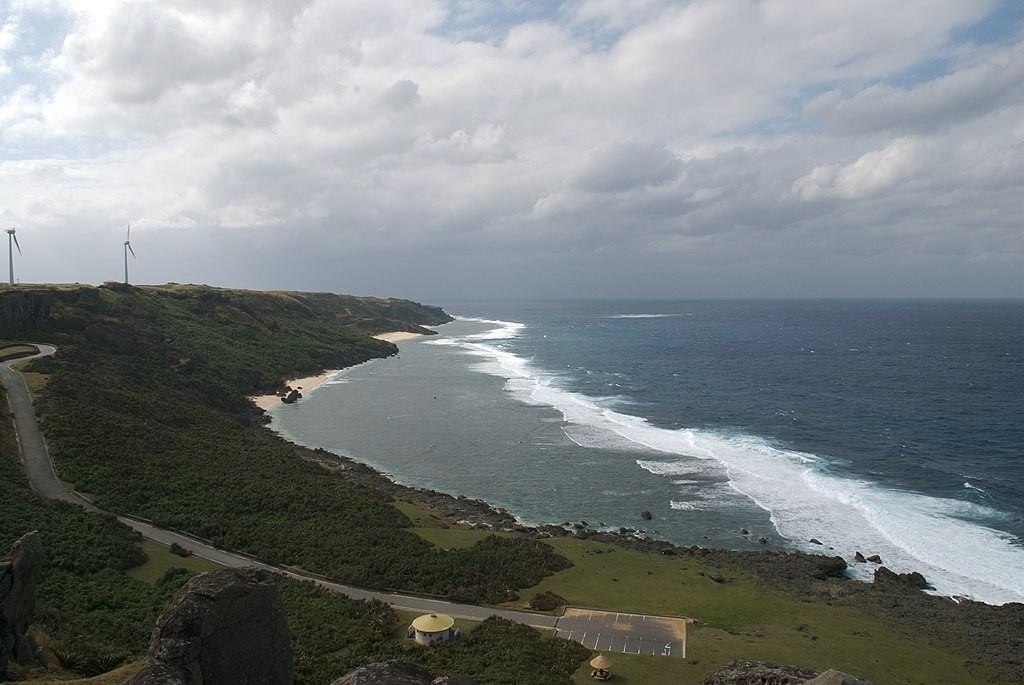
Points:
[[619, 632]]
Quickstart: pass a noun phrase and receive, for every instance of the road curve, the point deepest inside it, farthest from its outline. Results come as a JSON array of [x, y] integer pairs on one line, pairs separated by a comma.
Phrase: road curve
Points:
[[44, 481]]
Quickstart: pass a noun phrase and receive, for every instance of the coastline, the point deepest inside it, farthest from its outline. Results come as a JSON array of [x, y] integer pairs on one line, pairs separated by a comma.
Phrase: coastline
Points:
[[813, 578], [816, 578], [307, 384], [398, 336]]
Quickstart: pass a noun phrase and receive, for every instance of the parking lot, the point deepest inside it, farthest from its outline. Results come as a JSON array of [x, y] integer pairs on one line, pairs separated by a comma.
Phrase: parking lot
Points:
[[606, 631]]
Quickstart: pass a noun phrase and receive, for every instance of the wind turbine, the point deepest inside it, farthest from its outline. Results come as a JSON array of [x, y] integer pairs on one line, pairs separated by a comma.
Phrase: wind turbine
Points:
[[127, 249], [12, 242]]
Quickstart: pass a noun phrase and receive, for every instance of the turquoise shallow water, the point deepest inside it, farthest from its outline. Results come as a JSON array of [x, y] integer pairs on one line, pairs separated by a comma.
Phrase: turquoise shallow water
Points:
[[876, 427]]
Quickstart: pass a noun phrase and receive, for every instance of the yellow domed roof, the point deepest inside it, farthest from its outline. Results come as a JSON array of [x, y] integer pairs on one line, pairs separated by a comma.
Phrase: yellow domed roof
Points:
[[433, 623]]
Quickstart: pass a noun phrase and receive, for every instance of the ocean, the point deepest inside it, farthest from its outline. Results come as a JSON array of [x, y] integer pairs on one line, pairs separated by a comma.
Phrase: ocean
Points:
[[883, 427]]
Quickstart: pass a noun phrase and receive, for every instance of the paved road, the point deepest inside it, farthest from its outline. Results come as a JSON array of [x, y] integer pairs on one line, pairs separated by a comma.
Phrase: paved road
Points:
[[34, 453], [614, 632], [44, 481]]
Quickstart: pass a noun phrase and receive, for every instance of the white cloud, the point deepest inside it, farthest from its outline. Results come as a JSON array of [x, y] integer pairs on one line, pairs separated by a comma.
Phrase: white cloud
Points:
[[642, 127], [874, 172]]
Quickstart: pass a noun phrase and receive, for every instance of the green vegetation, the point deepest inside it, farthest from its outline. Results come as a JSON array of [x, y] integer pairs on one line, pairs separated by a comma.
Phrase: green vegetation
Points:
[[93, 610], [500, 652], [420, 516], [742, 619], [12, 351], [35, 381], [160, 560], [332, 635], [146, 411], [95, 615], [455, 537]]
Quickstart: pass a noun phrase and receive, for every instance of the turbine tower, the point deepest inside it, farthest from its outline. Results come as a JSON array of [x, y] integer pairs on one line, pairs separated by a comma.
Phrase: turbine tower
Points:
[[12, 242], [127, 249]]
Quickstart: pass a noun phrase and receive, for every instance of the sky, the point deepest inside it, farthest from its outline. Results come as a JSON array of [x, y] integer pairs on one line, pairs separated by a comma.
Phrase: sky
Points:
[[458, 149]]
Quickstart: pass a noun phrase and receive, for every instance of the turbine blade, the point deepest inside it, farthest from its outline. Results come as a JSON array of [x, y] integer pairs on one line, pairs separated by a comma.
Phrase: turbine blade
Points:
[[129, 236], [16, 243], [129, 246]]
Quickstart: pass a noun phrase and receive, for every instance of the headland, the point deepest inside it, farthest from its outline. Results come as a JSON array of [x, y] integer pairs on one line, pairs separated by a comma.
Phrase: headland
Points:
[[145, 409]]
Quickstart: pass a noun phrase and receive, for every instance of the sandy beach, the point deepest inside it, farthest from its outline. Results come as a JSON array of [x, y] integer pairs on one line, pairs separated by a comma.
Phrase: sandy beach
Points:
[[308, 384], [397, 336]]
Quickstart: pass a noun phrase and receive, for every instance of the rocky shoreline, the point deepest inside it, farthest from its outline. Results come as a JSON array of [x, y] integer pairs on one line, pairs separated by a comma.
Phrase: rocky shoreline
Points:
[[988, 635]]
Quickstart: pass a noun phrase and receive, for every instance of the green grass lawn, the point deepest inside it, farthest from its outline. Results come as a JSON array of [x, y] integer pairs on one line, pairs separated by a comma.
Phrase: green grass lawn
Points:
[[159, 559], [455, 538], [16, 350], [739, 619], [418, 515]]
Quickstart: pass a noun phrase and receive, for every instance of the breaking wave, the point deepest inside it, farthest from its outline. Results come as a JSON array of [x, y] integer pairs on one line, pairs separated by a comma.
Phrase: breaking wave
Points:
[[803, 496]]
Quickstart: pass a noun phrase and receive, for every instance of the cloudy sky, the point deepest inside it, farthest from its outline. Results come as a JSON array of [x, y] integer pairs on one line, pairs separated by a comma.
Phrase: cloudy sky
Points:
[[432, 149]]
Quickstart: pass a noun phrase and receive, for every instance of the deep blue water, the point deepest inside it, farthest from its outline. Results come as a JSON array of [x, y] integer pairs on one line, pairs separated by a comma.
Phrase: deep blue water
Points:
[[877, 426], [921, 395]]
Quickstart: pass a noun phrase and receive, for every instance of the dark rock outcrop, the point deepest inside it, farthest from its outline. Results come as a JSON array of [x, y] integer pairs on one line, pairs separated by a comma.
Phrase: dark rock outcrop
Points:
[[19, 575], [161, 675], [884, 578], [398, 673], [387, 673], [834, 677], [222, 628], [759, 673]]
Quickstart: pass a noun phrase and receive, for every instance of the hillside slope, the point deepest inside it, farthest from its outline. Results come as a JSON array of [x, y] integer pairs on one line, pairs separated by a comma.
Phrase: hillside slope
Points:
[[146, 412]]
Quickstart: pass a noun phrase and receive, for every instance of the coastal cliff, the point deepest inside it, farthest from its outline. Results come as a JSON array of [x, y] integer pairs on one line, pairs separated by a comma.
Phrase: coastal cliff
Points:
[[146, 411]]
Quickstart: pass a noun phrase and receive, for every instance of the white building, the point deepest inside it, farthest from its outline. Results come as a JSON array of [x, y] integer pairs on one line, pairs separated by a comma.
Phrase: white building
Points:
[[431, 628]]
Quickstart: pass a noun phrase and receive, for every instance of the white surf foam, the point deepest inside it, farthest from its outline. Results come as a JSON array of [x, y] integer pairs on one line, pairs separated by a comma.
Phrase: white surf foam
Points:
[[804, 499], [639, 316], [686, 506]]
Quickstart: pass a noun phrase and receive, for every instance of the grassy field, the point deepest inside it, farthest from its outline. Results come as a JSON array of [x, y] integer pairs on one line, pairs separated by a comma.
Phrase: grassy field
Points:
[[442, 534], [12, 351], [456, 538], [159, 560], [420, 516], [739, 619]]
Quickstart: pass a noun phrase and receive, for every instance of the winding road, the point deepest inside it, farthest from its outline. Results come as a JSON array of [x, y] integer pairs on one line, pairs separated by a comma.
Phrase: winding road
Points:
[[43, 478]]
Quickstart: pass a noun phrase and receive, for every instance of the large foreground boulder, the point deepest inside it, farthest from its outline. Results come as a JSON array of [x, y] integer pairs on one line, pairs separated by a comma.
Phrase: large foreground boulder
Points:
[[19, 575], [222, 628], [397, 673], [387, 673], [763, 673]]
